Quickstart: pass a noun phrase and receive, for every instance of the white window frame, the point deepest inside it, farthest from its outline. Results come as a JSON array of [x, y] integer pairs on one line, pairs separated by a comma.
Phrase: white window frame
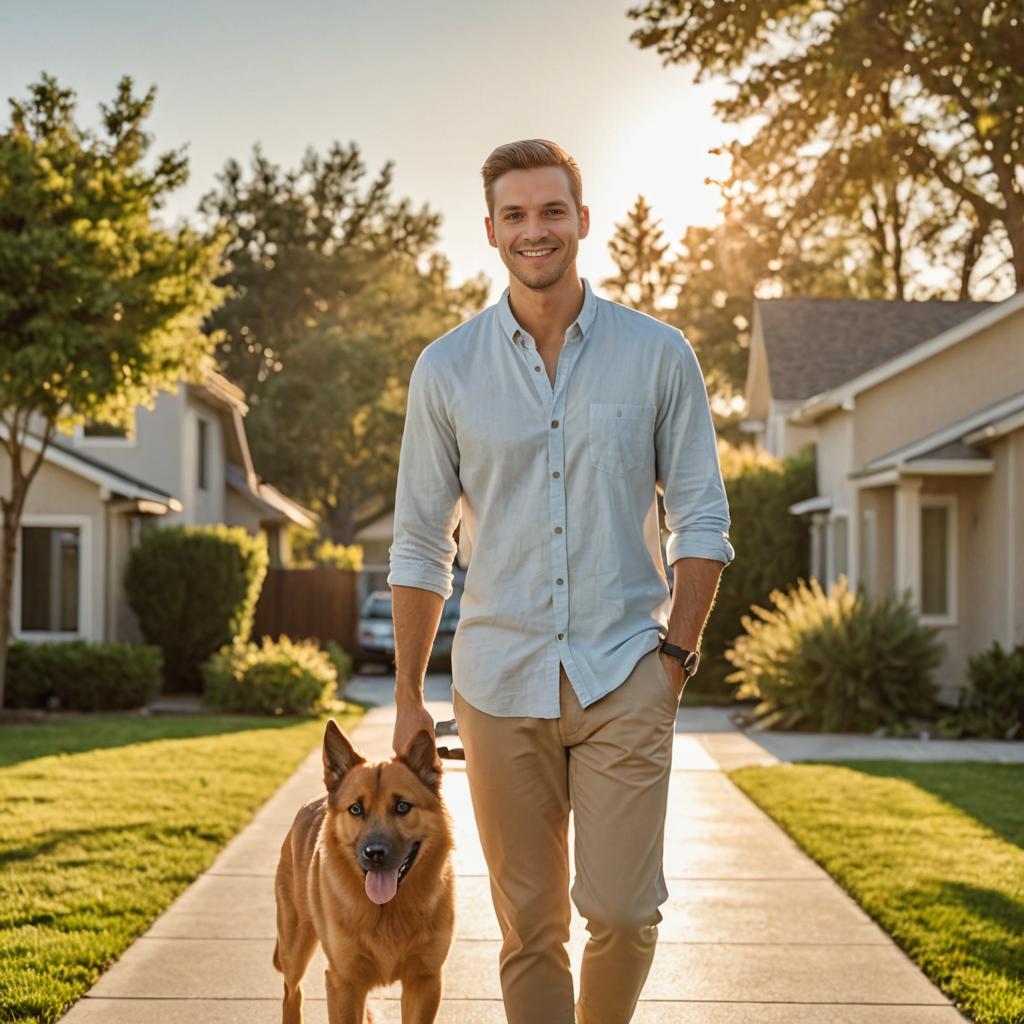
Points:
[[84, 526], [82, 440], [949, 501]]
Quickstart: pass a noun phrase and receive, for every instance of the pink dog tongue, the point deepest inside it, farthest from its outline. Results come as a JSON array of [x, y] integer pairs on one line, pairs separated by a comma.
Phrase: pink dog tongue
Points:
[[381, 886]]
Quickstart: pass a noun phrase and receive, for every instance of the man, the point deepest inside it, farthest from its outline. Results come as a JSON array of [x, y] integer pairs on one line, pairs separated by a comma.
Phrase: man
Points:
[[546, 422]]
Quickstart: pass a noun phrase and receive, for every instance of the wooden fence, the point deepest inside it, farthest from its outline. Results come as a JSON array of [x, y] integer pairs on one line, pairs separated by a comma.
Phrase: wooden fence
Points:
[[321, 602]]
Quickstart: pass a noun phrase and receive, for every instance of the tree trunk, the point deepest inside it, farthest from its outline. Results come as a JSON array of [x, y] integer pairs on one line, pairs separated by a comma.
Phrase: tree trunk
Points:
[[341, 524], [12, 509]]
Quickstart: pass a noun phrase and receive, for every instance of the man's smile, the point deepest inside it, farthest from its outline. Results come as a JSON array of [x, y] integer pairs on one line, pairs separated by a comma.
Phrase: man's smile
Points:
[[536, 254]]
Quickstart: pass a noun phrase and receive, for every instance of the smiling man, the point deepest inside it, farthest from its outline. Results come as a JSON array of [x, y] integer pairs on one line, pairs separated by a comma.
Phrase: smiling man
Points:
[[548, 422]]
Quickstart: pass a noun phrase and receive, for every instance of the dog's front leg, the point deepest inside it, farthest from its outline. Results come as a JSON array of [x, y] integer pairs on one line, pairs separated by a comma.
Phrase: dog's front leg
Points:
[[421, 997], [346, 1003]]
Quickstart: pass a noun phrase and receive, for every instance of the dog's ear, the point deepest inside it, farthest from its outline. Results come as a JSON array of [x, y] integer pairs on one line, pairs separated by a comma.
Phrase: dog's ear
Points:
[[421, 756], [339, 756]]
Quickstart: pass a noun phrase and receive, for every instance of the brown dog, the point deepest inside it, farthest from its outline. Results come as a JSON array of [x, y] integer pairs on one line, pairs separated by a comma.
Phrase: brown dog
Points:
[[366, 870]]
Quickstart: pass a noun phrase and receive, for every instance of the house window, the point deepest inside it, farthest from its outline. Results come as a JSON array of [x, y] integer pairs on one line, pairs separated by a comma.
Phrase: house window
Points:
[[50, 573], [201, 454], [94, 429], [868, 549], [937, 544], [819, 547], [839, 552]]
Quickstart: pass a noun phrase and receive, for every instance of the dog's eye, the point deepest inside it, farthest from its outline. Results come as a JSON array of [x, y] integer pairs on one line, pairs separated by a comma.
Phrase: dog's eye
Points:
[[403, 807], [355, 809]]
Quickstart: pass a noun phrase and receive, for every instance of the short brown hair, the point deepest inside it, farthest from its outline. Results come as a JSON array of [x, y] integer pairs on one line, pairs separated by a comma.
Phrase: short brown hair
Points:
[[525, 154]]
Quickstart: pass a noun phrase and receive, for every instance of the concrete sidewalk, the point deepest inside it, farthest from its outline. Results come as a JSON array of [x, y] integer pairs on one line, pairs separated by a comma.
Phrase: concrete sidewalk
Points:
[[754, 931]]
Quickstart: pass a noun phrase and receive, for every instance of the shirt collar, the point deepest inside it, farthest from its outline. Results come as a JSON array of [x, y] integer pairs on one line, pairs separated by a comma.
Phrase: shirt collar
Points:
[[587, 313]]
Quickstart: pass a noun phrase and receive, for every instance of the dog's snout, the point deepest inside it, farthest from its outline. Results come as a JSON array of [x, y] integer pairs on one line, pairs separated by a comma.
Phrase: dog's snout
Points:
[[375, 853]]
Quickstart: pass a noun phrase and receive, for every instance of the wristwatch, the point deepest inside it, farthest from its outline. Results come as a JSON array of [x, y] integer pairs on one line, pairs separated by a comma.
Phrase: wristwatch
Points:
[[689, 659]]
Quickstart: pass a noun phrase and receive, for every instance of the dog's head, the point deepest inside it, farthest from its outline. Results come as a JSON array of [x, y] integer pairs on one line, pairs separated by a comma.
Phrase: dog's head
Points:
[[386, 816]]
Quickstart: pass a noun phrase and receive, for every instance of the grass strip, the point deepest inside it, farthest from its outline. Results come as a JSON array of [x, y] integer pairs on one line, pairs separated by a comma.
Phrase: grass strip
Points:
[[96, 841], [933, 852]]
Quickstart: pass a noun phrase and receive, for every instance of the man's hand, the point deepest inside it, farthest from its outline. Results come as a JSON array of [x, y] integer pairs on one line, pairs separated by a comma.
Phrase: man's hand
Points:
[[410, 718], [675, 671]]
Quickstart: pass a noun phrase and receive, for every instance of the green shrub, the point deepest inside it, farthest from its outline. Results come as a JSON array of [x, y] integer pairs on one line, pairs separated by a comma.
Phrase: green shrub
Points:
[[837, 662], [993, 705], [282, 677], [194, 589], [82, 676], [772, 547]]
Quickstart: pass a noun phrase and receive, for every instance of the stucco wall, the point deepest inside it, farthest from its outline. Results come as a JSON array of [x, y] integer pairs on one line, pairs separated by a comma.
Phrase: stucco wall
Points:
[[948, 386]]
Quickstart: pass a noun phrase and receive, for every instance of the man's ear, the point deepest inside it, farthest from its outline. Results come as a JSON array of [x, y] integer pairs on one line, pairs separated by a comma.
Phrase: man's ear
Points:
[[339, 756], [489, 228], [584, 221], [422, 757]]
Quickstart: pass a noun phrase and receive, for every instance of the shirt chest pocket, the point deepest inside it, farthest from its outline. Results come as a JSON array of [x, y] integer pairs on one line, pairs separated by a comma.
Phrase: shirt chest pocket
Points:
[[621, 436]]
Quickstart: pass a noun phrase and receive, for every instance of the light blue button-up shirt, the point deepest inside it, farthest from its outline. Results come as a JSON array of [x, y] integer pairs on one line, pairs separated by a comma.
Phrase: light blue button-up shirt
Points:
[[555, 487]]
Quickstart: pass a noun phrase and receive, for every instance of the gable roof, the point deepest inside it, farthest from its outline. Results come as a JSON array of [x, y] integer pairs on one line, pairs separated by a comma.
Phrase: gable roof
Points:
[[842, 395], [90, 468], [813, 345]]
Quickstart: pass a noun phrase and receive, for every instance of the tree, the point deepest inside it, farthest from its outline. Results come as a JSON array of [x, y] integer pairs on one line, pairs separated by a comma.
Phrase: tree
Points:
[[333, 295], [99, 306], [645, 279], [906, 116]]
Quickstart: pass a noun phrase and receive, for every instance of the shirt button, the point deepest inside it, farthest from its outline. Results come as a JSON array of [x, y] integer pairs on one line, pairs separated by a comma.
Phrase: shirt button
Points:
[[558, 529], [537, 368], [561, 636], [554, 423], [559, 582], [556, 474]]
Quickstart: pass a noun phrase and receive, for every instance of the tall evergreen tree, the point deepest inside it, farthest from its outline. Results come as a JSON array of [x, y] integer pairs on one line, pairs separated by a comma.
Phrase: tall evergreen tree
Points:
[[645, 279]]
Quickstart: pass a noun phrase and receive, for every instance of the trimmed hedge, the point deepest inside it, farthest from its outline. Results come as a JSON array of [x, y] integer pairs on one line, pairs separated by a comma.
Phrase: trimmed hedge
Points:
[[772, 546], [837, 662], [194, 589], [279, 678], [82, 676]]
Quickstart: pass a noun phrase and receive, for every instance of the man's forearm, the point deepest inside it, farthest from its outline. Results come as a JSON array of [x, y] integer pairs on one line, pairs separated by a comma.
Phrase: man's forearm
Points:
[[693, 592], [417, 614]]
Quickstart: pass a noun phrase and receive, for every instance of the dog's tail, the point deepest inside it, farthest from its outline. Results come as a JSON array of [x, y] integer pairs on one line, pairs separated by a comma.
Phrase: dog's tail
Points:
[[370, 1019]]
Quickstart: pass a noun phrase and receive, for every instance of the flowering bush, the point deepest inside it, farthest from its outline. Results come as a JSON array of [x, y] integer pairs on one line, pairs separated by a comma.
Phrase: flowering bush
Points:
[[277, 677]]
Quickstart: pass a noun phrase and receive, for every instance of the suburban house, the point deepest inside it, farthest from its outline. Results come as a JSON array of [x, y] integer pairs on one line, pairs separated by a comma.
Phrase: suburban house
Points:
[[916, 410], [186, 460]]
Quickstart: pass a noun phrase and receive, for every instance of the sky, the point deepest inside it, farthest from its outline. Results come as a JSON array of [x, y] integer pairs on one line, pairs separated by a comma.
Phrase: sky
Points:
[[433, 86]]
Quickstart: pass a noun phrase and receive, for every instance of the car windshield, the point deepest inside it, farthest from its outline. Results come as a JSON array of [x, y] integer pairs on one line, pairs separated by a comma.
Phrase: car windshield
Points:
[[377, 608]]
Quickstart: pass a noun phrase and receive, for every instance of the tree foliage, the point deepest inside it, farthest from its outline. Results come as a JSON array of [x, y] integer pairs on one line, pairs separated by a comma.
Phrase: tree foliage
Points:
[[334, 292], [901, 121], [100, 306]]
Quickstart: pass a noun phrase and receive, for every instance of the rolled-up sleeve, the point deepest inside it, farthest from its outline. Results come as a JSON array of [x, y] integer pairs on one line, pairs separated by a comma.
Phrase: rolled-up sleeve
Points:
[[696, 507], [427, 498]]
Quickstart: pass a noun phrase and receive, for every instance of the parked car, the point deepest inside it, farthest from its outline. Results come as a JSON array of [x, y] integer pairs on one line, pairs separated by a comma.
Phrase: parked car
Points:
[[376, 634]]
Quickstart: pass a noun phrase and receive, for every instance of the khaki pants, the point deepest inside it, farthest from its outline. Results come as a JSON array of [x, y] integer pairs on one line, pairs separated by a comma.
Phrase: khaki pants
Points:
[[610, 764]]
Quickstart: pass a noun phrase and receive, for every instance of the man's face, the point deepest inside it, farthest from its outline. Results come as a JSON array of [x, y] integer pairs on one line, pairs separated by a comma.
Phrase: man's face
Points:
[[534, 213]]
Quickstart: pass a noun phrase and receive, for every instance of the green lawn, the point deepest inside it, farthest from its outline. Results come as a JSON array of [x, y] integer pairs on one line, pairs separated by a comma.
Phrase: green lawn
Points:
[[933, 852], [105, 819]]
